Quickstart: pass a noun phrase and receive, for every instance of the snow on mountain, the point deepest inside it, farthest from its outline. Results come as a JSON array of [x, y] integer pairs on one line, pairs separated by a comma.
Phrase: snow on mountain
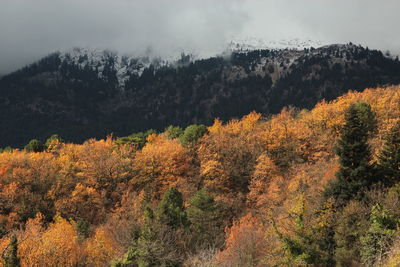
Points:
[[125, 66], [97, 59], [251, 43]]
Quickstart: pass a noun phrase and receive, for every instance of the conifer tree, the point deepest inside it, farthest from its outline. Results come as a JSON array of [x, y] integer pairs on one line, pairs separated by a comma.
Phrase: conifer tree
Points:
[[355, 173], [389, 158], [192, 134], [11, 257], [205, 218], [34, 146], [173, 132], [170, 210]]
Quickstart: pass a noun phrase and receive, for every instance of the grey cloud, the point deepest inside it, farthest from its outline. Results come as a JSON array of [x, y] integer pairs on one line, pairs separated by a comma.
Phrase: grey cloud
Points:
[[367, 22], [30, 29]]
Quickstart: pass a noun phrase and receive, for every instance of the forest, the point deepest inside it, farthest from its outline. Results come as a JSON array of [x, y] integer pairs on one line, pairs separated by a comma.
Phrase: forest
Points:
[[83, 99], [318, 187]]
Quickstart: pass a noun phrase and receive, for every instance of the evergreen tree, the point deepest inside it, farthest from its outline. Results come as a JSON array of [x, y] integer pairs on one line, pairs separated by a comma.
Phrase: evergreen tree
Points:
[[389, 158], [34, 146], [205, 218], [193, 133], [355, 173], [159, 241], [173, 132], [53, 138], [170, 210], [11, 257]]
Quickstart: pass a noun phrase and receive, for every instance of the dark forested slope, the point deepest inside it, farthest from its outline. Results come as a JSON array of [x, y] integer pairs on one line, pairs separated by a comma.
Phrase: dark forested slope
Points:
[[86, 94]]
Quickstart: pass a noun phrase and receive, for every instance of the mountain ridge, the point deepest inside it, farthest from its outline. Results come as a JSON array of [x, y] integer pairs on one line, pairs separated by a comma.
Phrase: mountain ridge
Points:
[[77, 98]]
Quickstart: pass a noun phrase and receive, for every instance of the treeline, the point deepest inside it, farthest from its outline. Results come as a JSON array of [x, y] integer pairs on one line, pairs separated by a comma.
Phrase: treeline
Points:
[[301, 188]]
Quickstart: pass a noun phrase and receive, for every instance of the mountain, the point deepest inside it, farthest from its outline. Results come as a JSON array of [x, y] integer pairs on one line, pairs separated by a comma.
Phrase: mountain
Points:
[[86, 93], [251, 43]]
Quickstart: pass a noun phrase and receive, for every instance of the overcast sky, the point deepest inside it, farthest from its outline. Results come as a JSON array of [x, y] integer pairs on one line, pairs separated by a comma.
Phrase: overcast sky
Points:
[[30, 29]]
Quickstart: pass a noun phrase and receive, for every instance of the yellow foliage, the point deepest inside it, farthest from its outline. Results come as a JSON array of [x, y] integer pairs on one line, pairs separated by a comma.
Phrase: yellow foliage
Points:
[[56, 246], [266, 184], [246, 244], [101, 249], [161, 164]]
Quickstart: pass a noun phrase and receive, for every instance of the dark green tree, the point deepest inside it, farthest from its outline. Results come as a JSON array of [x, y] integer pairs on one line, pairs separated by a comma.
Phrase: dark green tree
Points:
[[156, 245], [136, 139], [170, 211], [54, 137], [159, 241], [193, 133], [173, 132], [11, 256], [34, 146], [206, 220], [356, 172], [389, 158]]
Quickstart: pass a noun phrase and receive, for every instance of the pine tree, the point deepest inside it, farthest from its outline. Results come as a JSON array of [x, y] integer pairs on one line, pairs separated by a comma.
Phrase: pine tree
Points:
[[205, 218], [11, 257], [192, 134], [158, 243], [355, 173], [170, 210], [389, 158], [34, 146]]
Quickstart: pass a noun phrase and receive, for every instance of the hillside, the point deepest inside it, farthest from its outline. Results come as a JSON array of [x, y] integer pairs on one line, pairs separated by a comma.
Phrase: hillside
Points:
[[87, 93], [255, 191]]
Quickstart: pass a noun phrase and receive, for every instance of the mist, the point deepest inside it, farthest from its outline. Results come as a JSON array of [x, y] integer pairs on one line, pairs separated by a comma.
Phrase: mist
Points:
[[30, 29]]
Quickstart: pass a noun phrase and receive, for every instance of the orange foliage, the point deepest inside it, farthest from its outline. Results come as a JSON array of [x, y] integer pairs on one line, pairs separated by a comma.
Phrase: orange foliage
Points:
[[56, 246], [83, 203], [246, 244], [101, 249], [279, 167], [161, 164], [227, 155], [266, 184]]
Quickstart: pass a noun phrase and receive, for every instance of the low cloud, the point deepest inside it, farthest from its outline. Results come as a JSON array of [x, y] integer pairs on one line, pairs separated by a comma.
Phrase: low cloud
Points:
[[30, 29]]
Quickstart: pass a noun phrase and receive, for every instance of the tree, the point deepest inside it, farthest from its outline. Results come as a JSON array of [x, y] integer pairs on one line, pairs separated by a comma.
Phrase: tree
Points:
[[159, 241], [173, 132], [53, 142], [355, 173], [351, 224], [266, 178], [246, 244], [170, 210], [101, 248], [205, 218], [389, 158], [381, 233], [34, 146], [56, 246], [51, 139], [192, 133], [11, 257], [155, 246], [161, 164], [136, 139]]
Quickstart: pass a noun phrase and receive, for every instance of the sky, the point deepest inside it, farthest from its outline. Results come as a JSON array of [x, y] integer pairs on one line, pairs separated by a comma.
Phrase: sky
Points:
[[31, 29]]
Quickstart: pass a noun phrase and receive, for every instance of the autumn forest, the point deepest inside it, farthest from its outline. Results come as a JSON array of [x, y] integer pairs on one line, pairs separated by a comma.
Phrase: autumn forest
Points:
[[317, 187]]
